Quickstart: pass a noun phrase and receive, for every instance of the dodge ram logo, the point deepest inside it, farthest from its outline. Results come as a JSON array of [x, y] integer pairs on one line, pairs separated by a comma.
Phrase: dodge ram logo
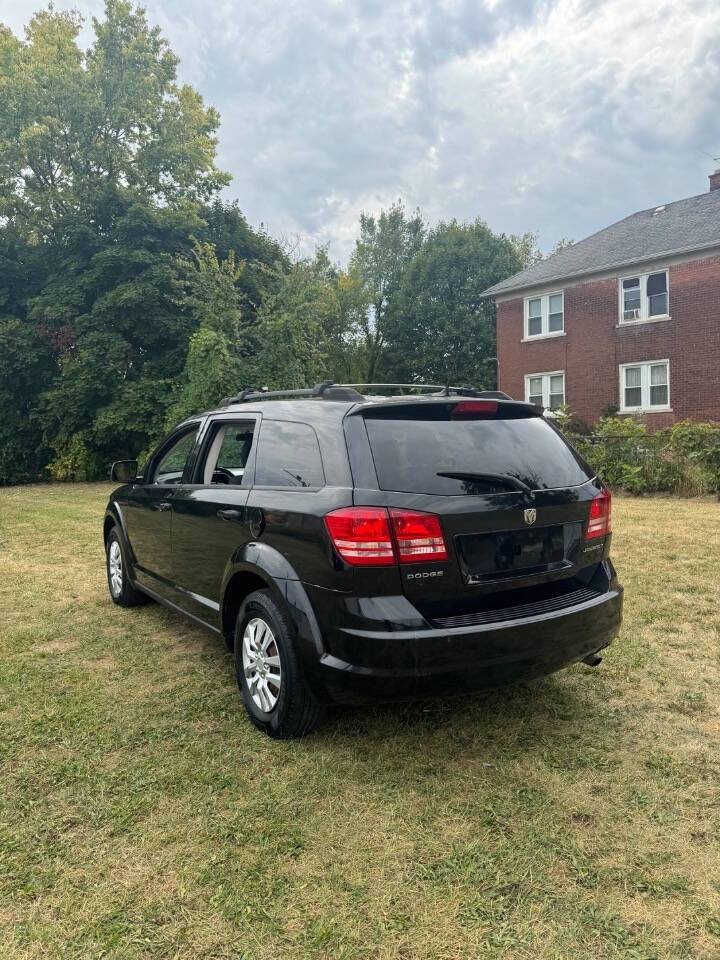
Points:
[[530, 515]]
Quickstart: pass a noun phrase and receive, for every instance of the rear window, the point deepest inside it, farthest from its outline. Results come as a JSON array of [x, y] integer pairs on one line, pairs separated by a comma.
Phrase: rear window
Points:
[[409, 455]]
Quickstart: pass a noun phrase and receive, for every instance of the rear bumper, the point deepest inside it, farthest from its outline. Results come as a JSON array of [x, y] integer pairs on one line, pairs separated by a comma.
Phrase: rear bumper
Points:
[[361, 665]]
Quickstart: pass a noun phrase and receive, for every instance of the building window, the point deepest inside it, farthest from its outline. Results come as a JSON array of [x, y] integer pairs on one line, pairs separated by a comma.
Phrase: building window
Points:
[[544, 315], [645, 386], [644, 297], [546, 389]]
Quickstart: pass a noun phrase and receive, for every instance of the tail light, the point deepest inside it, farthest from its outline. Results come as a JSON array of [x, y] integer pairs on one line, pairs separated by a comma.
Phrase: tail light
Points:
[[376, 537], [600, 522], [470, 409], [418, 536], [361, 535]]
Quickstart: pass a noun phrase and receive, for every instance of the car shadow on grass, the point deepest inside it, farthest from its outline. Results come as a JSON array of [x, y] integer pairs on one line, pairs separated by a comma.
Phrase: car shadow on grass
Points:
[[554, 716]]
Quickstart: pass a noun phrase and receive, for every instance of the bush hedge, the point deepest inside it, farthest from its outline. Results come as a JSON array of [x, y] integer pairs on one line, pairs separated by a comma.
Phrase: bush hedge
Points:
[[683, 459]]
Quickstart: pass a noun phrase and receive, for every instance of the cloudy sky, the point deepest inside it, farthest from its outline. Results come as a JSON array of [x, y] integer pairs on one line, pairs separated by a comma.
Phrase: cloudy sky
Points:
[[557, 116]]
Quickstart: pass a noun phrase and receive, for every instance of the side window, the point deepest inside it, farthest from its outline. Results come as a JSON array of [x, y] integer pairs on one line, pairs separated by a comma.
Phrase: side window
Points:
[[172, 464], [288, 456], [546, 389], [545, 315], [228, 453], [645, 386], [644, 298]]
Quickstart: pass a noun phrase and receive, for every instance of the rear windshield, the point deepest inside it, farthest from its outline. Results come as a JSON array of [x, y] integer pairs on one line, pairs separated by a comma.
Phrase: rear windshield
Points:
[[409, 455]]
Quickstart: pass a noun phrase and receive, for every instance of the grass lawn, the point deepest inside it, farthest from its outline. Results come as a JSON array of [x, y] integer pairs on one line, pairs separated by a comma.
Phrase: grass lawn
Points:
[[141, 815]]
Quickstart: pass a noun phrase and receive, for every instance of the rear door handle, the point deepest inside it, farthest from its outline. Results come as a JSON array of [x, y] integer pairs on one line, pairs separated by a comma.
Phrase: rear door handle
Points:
[[229, 514]]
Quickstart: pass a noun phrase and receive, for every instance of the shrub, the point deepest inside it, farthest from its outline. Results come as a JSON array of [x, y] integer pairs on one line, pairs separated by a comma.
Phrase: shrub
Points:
[[684, 459], [75, 460], [570, 423], [697, 447]]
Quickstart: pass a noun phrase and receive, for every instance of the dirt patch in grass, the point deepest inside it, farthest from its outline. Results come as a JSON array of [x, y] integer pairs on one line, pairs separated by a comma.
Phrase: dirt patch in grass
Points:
[[58, 645], [142, 816], [101, 664]]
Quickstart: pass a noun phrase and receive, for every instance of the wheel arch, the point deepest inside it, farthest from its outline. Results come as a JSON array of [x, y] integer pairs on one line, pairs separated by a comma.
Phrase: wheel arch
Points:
[[241, 582], [114, 518], [268, 570], [110, 521]]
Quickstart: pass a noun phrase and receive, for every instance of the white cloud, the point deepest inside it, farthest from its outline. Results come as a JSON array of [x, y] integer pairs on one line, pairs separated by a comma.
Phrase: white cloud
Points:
[[552, 116]]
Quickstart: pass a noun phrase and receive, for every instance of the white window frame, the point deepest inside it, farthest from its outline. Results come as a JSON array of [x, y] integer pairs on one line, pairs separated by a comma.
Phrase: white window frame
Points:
[[545, 330], [546, 388], [644, 302], [645, 405]]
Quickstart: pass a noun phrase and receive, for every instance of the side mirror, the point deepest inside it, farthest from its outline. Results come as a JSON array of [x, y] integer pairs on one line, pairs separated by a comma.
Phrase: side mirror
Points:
[[124, 471]]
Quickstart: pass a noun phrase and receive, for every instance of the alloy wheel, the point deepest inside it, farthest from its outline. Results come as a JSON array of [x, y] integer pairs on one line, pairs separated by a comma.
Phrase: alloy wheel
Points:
[[261, 664], [115, 569]]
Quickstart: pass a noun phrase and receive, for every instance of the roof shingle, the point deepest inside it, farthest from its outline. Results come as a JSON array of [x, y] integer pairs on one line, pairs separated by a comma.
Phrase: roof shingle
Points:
[[680, 227]]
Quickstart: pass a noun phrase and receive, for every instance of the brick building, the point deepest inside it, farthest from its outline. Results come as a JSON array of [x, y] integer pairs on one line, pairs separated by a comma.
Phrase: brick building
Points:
[[627, 319]]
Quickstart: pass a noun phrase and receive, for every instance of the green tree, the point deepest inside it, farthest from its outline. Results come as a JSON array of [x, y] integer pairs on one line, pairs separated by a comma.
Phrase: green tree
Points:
[[344, 302], [526, 248], [214, 298], [440, 328], [80, 130], [227, 229], [528, 251], [107, 174], [382, 252], [112, 308], [297, 322], [561, 244], [26, 360]]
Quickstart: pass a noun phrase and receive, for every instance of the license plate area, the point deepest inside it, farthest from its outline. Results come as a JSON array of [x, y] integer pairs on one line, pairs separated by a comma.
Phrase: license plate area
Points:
[[512, 553]]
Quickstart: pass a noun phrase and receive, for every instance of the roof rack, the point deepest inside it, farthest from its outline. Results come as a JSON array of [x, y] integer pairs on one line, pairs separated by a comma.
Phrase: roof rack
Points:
[[329, 390], [440, 389]]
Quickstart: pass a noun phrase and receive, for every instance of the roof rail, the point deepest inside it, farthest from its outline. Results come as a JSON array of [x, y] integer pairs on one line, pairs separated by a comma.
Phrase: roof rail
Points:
[[443, 389], [329, 390]]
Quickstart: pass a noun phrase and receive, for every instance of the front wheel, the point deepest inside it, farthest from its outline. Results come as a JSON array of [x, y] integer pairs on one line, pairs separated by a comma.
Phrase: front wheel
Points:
[[268, 673], [121, 589]]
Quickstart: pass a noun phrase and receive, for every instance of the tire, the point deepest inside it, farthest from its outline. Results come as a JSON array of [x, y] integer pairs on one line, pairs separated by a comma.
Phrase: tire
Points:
[[274, 692], [122, 592]]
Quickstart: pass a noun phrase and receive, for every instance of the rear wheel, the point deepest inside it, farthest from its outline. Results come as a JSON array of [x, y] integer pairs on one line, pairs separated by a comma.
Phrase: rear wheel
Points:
[[121, 589], [274, 692]]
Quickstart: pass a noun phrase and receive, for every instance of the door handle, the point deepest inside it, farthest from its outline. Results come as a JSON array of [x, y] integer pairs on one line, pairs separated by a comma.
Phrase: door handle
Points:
[[229, 514], [163, 505]]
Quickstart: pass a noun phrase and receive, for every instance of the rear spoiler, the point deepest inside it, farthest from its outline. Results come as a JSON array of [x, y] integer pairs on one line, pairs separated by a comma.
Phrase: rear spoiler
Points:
[[442, 408]]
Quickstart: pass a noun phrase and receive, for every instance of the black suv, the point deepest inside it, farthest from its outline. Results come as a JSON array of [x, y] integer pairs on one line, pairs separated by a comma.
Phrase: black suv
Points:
[[352, 546]]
